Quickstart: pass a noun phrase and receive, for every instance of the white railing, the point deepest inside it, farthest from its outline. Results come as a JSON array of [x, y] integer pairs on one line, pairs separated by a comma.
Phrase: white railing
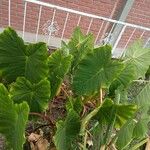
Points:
[[80, 14]]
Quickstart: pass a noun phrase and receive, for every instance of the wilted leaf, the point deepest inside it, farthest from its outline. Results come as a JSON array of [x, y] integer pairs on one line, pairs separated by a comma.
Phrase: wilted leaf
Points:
[[37, 142]]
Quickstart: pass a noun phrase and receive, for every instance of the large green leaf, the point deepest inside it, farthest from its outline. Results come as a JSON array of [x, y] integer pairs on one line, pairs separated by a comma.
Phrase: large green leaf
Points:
[[96, 71], [36, 67], [121, 112], [67, 131], [79, 40], [139, 57], [141, 128], [12, 54], [37, 95], [59, 65], [143, 98], [18, 59], [79, 45], [98, 133], [13, 118], [125, 135], [107, 112], [124, 79]]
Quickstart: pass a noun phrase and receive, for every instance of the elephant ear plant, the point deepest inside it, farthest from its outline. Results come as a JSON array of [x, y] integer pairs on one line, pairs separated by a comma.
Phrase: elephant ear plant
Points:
[[100, 113]]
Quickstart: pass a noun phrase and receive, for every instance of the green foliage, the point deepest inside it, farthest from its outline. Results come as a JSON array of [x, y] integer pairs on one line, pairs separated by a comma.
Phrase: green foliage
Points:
[[67, 131], [79, 46], [130, 131], [108, 113], [147, 75], [36, 95], [143, 98], [139, 57], [96, 71], [11, 46], [126, 76], [13, 118], [113, 118], [59, 65], [36, 67], [98, 136], [125, 135], [75, 104], [18, 59], [120, 112], [141, 128]]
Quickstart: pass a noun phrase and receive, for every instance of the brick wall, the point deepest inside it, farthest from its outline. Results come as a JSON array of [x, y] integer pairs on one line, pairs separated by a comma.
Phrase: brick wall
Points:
[[139, 14]]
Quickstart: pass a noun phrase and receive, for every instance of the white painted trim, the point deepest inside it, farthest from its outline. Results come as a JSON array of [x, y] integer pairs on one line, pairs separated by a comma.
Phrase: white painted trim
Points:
[[89, 26], [38, 25], [62, 35], [118, 39], [9, 12], [24, 19], [54, 12]]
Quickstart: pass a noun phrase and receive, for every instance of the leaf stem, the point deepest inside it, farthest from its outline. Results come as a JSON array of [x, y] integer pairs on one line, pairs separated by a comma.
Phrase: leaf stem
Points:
[[140, 144], [86, 120], [65, 92], [85, 139], [102, 147], [100, 97]]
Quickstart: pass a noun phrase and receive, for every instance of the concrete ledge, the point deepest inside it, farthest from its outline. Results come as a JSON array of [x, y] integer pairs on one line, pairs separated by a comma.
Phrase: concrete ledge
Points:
[[54, 42], [31, 37]]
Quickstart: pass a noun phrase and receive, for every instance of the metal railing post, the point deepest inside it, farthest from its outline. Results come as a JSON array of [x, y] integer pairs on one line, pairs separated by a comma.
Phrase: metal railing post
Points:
[[38, 25], [118, 39], [24, 19], [9, 12], [64, 26]]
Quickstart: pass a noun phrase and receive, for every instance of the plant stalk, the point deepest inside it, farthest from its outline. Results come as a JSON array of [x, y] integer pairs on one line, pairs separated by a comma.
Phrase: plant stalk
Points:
[[102, 147], [100, 97], [140, 144], [85, 139]]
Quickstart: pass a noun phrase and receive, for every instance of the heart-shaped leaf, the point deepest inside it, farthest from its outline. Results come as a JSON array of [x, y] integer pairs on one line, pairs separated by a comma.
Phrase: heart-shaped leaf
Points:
[[121, 112], [67, 131], [139, 57], [97, 70], [125, 135], [36, 95], [59, 65], [143, 98], [18, 59], [13, 118], [126, 76]]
